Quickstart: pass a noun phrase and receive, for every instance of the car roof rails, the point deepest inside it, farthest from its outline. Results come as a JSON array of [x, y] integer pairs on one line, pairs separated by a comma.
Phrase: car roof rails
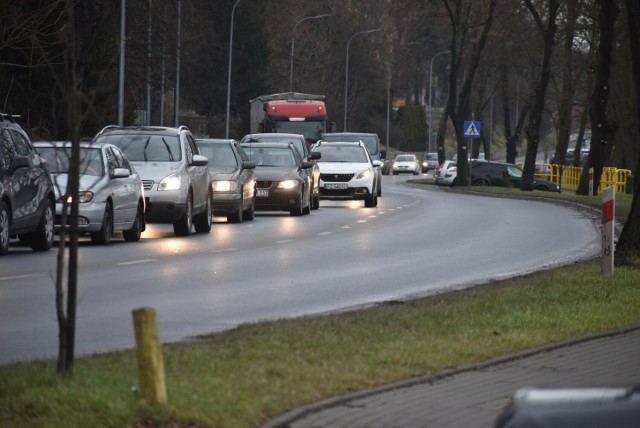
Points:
[[108, 127], [184, 128], [9, 117]]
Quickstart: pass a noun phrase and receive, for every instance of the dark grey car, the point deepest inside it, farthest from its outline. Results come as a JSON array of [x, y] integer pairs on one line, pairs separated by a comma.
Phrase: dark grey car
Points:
[[26, 191], [233, 185]]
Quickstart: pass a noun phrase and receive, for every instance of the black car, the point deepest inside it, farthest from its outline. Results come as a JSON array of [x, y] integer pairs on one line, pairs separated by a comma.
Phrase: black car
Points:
[[233, 184], [283, 178], [27, 198], [300, 143], [485, 173]]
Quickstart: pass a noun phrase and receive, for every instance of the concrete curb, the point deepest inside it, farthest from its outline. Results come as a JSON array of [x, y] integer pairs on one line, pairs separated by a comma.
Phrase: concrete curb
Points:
[[284, 420]]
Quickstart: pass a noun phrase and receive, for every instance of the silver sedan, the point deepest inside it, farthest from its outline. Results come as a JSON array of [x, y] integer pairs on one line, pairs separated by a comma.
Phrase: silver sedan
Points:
[[110, 198]]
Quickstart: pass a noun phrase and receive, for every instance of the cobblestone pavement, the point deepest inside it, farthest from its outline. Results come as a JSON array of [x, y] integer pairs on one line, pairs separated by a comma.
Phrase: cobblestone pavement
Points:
[[473, 396]]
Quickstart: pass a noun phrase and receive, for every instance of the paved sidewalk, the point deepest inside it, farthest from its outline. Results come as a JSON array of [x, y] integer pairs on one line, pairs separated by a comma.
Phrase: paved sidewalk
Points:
[[474, 395]]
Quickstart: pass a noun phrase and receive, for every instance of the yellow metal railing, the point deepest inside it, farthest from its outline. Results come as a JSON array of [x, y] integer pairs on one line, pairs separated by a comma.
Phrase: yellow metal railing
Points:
[[568, 177]]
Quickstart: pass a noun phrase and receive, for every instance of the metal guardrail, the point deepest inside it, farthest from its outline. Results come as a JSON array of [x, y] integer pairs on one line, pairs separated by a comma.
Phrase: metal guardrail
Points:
[[568, 177]]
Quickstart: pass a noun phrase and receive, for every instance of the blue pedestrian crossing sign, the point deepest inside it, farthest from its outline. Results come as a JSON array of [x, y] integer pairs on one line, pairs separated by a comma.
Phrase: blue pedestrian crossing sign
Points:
[[471, 129]]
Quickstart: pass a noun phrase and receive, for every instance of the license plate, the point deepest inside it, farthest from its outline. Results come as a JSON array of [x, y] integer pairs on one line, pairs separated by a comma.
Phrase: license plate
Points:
[[263, 193], [335, 186]]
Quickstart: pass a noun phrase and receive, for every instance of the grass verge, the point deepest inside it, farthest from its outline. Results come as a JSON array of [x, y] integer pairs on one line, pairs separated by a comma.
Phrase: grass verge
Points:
[[241, 377]]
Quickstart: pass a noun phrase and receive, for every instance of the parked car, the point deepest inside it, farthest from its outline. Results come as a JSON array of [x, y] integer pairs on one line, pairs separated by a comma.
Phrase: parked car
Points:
[[446, 174], [283, 178], [111, 198], [429, 162], [233, 184], [406, 163], [27, 198], [347, 172], [485, 173], [177, 182], [300, 143]]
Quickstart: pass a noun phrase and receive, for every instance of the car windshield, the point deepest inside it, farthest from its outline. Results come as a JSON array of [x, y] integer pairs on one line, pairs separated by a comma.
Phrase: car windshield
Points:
[[270, 156], [59, 159], [370, 141], [146, 148], [297, 142], [405, 158], [334, 153], [218, 154], [432, 156]]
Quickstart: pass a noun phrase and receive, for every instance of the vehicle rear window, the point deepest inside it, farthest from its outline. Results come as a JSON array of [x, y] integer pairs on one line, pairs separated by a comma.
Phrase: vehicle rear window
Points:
[[146, 148]]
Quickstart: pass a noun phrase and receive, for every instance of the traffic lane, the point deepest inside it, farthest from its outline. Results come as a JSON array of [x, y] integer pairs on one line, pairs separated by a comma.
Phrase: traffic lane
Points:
[[376, 255]]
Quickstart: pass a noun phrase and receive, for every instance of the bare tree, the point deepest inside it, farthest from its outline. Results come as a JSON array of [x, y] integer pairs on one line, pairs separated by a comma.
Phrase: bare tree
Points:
[[602, 129], [628, 246], [532, 130], [459, 13]]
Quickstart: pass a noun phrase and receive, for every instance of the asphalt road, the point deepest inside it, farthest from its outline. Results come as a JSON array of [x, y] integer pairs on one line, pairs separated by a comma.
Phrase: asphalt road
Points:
[[418, 241]]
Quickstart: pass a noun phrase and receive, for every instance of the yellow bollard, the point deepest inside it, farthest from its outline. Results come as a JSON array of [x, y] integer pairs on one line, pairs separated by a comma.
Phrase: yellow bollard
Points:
[[150, 363]]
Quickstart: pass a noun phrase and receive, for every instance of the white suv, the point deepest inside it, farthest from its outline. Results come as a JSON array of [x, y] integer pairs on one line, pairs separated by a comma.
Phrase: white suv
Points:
[[174, 174], [347, 172]]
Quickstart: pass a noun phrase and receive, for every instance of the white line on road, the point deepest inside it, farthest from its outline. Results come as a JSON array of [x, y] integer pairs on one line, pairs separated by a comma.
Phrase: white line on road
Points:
[[30, 275], [135, 262], [285, 241], [324, 233]]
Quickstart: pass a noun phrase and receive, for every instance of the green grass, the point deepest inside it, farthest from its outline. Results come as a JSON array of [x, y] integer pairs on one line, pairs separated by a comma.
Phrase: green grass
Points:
[[242, 377]]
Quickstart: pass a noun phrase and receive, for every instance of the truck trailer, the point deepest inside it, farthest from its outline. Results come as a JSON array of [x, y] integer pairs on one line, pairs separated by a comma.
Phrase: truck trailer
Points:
[[291, 112]]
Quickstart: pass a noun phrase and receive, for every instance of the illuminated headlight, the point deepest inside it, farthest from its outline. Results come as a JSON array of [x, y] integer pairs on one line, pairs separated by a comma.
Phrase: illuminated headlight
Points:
[[171, 182], [288, 184], [224, 186], [425, 163], [83, 197], [363, 174]]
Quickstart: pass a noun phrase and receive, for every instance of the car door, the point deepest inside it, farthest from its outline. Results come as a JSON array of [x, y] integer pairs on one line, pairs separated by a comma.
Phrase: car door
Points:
[[27, 183], [123, 190], [198, 175]]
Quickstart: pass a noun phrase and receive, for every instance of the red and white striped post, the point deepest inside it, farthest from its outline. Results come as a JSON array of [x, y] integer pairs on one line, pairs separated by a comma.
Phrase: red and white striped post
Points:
[[591, 182], [608, 224]]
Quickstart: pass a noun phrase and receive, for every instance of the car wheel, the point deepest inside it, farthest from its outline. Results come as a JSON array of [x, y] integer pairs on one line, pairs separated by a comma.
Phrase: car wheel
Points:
[[371, 201], [307, 209], [5, 224], [103, 236], [182, 227], [379, 192], [316, 202], [297, 209], [135, 232], [202, 221], [42, 238], [250, 213], [237, 216]]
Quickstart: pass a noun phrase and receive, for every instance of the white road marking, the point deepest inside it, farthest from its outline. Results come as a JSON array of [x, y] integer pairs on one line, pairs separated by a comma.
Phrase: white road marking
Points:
[[135, 262], [30, 275]]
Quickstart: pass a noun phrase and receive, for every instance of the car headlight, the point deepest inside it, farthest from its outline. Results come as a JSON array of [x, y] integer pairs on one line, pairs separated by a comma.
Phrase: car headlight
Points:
[[83, 197], [363, 174], [288, 184], [224, 186], [171, 182]]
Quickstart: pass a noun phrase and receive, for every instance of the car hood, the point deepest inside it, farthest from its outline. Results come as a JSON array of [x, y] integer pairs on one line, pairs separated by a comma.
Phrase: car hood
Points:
[[223, 173], [405, 163], [271, 173], [87, 182], [156, 171], [342, 167]]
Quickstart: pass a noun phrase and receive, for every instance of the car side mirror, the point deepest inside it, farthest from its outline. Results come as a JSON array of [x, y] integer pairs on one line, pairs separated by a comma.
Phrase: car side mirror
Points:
[[120, 173], [200, 160], [248, 164], [315, 155], [306, 165]]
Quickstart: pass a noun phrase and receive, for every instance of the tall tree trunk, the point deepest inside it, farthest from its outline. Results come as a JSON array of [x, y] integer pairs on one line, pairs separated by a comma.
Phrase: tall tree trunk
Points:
[[628, 247], [602, 130], [511, 138], [532, 129]]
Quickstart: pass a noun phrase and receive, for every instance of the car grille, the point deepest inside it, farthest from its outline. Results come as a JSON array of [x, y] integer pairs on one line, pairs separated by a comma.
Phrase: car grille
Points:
[[147, 184], [263, 184], [336, 178]]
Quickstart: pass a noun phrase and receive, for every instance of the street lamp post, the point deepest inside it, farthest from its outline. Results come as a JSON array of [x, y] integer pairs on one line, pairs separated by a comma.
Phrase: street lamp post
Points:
[[226, 126], [346, 72], [293, 38], [430, 75]]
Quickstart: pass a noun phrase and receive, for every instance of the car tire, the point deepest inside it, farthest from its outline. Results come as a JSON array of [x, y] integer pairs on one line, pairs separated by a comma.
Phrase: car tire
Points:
[[237, 216], [371, 201], [5, 225], [202, 221], [316, 202], [42, 238], [182, 227], [297, 209], [307, 210], [103, 236], [250, 212], [133, 234]]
